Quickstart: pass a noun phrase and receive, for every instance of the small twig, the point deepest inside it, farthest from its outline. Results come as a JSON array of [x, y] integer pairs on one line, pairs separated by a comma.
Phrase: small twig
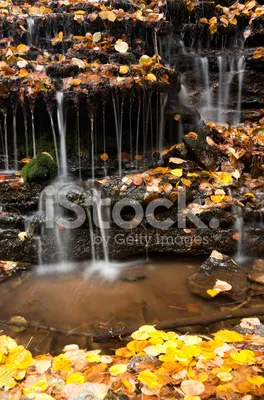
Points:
[[35, 325]]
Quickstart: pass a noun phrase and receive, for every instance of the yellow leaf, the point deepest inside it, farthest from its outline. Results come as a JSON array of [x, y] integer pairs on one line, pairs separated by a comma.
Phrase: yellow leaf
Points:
[[151, 77], [213, 29], [146, 61], [76, 377], [224, 376], [6, 344], [213, 292], [118, 369], [190, 340], [228, 336], [140, 335], [79, 12], [62, 363], [177, 172], [19, 358], [137, 346], [111, 16], [75, 82], [123, 69], [244, 357], [6, 377], [148, 378], [93, 357], [217, 199], [147, 328], [186, 182], [256, 380], [22, 48], [38, 387]]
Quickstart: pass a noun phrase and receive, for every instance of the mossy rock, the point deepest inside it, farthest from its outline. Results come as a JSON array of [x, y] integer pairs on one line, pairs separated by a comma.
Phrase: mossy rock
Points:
[[41, 168]]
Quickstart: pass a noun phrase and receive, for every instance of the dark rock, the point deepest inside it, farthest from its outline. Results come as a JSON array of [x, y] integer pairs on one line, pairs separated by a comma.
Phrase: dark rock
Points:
[[199, 149], [224, 269]]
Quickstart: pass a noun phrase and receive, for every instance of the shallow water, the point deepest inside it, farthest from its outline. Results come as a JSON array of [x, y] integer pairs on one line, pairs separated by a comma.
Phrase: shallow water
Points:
[[80, 297]]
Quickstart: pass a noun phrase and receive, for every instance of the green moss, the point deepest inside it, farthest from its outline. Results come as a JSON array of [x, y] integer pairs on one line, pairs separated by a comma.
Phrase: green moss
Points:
[[41, 168]]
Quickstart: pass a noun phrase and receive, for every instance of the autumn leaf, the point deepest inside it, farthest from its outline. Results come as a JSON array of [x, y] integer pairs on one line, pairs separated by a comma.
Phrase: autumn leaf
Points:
[[228, 336], [121, 46], [62, 363], [118, 369], [256, 380], [123, 69], [244, 357], [104, 156], [176, 172]]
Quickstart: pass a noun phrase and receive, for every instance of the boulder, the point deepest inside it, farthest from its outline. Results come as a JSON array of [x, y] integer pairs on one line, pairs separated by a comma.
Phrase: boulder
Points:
[[220, 267]]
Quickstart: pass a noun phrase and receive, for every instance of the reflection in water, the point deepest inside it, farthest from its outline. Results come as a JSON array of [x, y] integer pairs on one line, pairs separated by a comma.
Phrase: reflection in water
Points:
[[118, 295]]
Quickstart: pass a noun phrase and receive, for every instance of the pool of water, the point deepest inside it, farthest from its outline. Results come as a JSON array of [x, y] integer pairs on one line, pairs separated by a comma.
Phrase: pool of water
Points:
[[80, 297]]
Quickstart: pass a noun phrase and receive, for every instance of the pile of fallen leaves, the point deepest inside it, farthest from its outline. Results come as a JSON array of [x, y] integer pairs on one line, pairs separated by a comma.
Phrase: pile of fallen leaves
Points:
[[153, 365], [236, 150], [227, 16]]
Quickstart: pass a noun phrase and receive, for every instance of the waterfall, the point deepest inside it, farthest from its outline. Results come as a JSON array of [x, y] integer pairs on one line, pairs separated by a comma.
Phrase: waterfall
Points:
[[184, 96], [31, 31], [54, 137], [25, 127], [213, 107], [220, 88], [207, 108], [33, 131], [240, 70], [92, 144], [62, 133], [163, 102], [6, 143], [15, 138], [239, 227]]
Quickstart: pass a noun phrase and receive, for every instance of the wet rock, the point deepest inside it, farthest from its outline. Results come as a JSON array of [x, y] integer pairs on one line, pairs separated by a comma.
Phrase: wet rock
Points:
[[220, 267], [9, 268], [256, 273], [199, 149]]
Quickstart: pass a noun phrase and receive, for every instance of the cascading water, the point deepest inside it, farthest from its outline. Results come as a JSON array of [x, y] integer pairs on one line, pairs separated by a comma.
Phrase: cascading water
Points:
[[31, 31], [15, 138], [240, 69], [33, 131], [239, 227], [215, 102], [6, 142], [62, 133]]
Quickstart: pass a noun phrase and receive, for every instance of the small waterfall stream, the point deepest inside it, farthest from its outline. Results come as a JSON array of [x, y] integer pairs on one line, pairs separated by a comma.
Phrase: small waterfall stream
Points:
[[31, 31], [62, 132], [215, 101]]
